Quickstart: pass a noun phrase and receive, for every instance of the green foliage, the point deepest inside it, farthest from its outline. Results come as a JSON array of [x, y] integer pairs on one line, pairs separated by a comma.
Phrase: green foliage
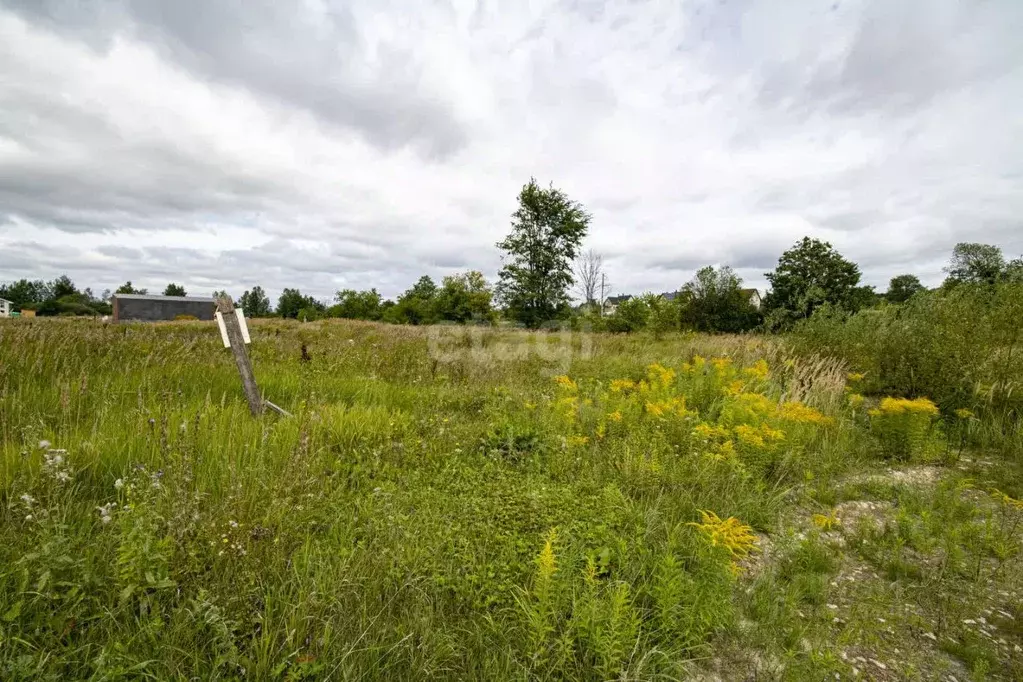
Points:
[[416, 306], [174, 290], [127, 288], [24, 293], [547, 230], [902, 288], [809, 275], [714, 301], [465, 297], [631, 315], [356, 305], [292, 303], [255, 303], [974, 263]]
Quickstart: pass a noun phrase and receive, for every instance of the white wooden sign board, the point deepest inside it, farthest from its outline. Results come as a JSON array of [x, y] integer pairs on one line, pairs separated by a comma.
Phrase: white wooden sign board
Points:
[[244, 328]]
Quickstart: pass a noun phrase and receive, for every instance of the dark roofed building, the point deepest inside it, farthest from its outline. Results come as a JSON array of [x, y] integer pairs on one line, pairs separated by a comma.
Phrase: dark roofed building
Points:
[[148, 308]]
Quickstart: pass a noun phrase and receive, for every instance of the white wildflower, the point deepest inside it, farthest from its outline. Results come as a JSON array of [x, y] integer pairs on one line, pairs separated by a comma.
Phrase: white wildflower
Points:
[[28, 499], [234, 524], [44, 445], [118, 484]]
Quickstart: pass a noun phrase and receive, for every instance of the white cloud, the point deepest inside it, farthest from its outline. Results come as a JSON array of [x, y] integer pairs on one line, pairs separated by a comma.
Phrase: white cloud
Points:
[[228, 144]]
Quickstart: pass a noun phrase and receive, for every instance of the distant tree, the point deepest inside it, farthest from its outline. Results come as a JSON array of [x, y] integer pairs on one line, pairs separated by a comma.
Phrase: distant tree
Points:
[[546, 232], [174, 290], [1014, 271], [62, 286], [255, 302], [24, 292], [903, 287], [356, 305], [589, 278], [465, 297], [127, 288], [631, 315], [861, 298], [291, 302], [713, 301], [809, 275], [417, 305], [974, 263]]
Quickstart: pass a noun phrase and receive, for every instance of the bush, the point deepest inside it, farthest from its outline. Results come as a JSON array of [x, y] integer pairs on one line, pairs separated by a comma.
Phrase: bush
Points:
[[960, 348], [904, 428]]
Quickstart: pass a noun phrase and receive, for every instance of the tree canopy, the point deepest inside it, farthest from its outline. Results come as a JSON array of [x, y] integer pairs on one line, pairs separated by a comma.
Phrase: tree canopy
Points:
[[809, 275], [714, 301], [174, 290], [255, 302], [901, 288], [547, 230]]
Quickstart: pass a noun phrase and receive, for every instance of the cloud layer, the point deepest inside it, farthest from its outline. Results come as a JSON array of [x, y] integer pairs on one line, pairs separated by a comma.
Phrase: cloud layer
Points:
[[354, 144]]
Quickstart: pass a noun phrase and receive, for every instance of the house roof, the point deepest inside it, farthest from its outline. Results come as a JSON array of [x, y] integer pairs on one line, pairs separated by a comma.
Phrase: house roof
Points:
[[5, 300], [669, 295], [154, 297], [750, 292], [614, 300]]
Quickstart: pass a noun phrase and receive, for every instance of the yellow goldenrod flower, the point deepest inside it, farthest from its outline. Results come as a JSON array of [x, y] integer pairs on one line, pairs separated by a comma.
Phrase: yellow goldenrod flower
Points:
[[578, 441], [758, 370], [800, 413], [615, 416], [1006, 500], [749, 435], [904, 405], [855, 376], [856, 400], [732, 534], [658, 374], [825, 522], [565, 382], [964, 413], [622, 385]]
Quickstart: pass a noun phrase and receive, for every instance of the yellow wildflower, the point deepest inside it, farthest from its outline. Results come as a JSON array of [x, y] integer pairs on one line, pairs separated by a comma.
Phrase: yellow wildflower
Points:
[[1006, 500], [749, 435], [855, 376], [735, 387], [721, 364], [798, 412], [615, 416], [825, 523], [855, 401], [546, 562], [529, 405], [905, 405], [656, 409], [661, 375], [757, 370], [622, 385], [578, 441], [964, 413], [566, 383], [732, 534]]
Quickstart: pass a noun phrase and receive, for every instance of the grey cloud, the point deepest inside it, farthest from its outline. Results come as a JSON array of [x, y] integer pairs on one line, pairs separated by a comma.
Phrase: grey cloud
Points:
[[281, 50]]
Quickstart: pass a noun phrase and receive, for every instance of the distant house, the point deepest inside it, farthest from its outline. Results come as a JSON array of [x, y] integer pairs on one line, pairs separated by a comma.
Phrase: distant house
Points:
[[754, 297], [669, 295], [611, 303], [6, 307], [154, 308]]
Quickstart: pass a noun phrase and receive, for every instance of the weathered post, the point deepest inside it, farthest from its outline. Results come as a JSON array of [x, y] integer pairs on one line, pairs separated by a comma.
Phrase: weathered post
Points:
[[225, 307]]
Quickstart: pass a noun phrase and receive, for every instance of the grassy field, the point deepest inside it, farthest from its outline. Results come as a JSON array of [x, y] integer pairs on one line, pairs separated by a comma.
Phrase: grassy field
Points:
[[483, 504]]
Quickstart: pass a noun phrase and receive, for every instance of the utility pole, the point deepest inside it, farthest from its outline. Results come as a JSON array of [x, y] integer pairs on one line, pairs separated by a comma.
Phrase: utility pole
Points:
[[602, 294]]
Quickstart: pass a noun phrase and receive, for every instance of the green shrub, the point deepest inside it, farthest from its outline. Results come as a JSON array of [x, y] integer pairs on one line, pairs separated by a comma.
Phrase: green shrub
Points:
[[904, 428]]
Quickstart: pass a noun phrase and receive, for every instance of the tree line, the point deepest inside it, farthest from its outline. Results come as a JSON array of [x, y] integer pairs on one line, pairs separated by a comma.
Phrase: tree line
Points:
[[542, 262]]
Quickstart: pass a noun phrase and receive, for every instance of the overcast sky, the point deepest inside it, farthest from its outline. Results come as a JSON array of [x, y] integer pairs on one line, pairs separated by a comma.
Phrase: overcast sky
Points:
[[322, 145]]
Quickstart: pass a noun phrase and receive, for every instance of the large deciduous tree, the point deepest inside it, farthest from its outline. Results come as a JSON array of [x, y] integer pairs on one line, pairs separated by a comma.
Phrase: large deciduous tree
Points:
[[255, 302], [547, 230], [713, 301], [973, 263], [901, 288], [174, 290], [809, 275], [465, 297]]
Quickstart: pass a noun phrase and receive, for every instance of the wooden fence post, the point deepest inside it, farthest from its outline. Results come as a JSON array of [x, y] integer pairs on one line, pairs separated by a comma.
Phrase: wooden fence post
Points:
[[241, 356]]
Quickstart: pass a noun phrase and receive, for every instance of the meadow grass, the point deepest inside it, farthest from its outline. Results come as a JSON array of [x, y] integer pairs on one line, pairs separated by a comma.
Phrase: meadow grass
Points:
[[460, 504]]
